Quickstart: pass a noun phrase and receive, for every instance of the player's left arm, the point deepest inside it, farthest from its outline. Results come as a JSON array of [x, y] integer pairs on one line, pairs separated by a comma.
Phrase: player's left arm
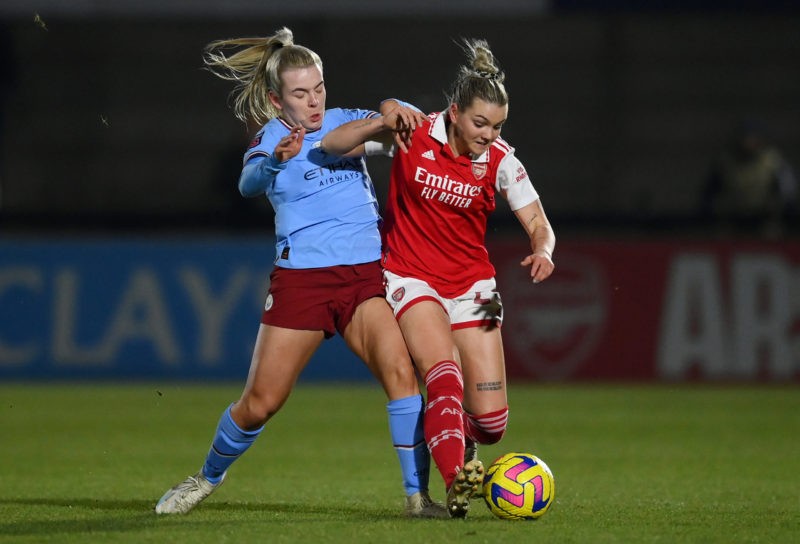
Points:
[[515, 185], [542, 237]]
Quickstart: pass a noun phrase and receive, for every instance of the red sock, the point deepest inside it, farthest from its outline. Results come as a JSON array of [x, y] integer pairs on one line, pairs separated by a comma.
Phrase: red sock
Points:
[[444, 423], [486, 428]]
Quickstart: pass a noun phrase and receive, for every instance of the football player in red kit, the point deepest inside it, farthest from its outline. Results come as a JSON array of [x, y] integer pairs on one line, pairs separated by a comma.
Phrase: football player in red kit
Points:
[[439, 279]]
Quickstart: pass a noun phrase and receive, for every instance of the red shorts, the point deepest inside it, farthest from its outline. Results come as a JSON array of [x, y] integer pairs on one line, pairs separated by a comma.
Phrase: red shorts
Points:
[[323, 299]]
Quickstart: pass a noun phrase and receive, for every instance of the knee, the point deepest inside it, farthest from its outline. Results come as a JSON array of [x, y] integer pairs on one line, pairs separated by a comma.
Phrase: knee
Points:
[[399, 379], [403, 374]]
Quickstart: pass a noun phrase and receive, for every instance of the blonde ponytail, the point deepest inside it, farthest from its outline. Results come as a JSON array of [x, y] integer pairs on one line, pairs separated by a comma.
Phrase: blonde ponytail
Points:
[[256, 67]]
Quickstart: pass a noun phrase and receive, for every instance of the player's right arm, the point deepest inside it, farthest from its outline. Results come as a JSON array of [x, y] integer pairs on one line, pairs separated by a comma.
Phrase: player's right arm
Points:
[[259, 172]]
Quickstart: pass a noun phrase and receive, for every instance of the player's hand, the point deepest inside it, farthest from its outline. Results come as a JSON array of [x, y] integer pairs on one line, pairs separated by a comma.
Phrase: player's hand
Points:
[[289, 146], [403, 121], [541, 265], [490, 309]]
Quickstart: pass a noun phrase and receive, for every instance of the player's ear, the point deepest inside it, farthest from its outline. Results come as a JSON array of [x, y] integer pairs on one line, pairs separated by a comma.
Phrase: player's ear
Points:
[[452, 112], [275, 100]]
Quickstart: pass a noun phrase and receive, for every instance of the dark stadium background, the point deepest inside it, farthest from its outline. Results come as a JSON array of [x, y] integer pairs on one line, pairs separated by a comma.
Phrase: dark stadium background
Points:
[[119, 158]]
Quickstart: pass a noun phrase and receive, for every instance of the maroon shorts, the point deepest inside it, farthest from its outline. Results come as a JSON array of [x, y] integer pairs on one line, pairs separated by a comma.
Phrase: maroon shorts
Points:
[[320, 298]]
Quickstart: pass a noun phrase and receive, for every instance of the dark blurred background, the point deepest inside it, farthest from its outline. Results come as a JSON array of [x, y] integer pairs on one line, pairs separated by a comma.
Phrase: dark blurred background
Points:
[[641, 123], [619, 109]]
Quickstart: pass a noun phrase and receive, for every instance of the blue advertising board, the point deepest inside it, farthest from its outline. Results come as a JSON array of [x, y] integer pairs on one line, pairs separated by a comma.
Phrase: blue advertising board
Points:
[[182, 308]]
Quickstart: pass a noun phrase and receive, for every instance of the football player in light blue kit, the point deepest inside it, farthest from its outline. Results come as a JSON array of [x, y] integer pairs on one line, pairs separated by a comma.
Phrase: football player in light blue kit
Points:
[[327, 276], [326, 208]]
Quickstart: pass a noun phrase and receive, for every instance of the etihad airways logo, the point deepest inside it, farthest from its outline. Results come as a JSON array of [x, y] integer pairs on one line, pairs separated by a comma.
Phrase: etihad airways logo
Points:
[[444, 189], [343, 170]]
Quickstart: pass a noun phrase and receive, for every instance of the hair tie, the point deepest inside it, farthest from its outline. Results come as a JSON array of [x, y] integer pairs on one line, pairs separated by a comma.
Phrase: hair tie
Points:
[[487, 75]]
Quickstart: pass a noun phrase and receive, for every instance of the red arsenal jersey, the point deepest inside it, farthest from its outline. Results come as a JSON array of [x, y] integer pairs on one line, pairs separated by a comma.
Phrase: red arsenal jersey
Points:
[[439, 204]]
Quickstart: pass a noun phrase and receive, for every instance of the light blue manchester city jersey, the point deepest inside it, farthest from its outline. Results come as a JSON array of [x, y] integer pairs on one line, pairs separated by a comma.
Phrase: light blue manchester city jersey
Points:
[[326, 212]]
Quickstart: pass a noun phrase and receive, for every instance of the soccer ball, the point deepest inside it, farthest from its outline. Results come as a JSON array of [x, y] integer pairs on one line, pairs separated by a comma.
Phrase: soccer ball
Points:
[[518, 486]]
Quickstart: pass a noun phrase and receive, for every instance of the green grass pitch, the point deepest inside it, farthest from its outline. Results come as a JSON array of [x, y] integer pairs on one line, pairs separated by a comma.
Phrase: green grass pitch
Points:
[[632, 464]]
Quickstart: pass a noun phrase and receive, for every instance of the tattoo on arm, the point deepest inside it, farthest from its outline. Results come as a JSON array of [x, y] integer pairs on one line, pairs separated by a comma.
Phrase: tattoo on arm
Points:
[[489, 386], [532, 223]]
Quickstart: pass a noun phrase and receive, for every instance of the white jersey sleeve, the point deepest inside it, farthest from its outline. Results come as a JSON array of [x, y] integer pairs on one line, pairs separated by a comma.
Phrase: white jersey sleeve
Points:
[[514, 184], [372, 147]]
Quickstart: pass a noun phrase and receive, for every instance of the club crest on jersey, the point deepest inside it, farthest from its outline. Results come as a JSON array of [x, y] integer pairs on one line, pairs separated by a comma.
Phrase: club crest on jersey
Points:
[[398, 295], [479, 169], [255, 141]]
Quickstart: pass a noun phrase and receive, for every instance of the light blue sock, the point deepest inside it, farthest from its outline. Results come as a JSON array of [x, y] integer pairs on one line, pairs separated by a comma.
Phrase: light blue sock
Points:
[[405, 424], [229, 443]]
